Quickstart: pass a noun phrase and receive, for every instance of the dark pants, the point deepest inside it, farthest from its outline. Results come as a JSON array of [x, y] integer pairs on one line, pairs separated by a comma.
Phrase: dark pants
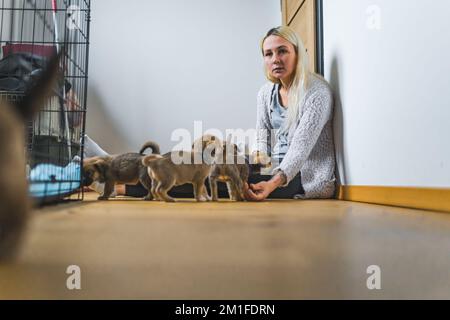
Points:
[[186, 191], [294, 187]]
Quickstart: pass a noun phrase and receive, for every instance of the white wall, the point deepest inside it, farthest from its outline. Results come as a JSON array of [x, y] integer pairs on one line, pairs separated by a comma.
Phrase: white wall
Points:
[[160, 65], [392, 120]]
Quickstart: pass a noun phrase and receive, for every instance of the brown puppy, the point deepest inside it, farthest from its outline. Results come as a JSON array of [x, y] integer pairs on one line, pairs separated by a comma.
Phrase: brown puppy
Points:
[[233, 170], [200, 145], [14, 200], [180, 167], [204, 141], [123, 168]]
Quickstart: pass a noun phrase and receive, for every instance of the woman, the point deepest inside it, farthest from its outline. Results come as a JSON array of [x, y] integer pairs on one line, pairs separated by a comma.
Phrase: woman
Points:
[[297, 104]]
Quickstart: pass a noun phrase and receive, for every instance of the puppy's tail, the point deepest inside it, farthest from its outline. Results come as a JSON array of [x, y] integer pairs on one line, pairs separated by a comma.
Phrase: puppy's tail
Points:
[[150, 144], [147, 160]]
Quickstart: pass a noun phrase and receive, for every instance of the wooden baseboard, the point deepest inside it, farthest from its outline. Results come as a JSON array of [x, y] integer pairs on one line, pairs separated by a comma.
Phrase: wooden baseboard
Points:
[[436, 199]]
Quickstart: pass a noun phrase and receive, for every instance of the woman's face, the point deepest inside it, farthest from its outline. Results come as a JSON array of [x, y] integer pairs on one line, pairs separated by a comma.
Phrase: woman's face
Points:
[[279, 58]]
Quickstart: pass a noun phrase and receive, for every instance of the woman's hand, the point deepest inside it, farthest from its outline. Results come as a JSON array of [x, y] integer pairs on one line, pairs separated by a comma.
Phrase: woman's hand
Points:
[[261, 190]]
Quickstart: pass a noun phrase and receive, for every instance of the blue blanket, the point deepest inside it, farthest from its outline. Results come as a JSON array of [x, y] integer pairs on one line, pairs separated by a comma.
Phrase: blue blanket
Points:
[[50, 180]]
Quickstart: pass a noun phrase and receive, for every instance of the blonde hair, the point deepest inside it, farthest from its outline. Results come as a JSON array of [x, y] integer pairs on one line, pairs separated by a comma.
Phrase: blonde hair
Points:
[[297, 88]]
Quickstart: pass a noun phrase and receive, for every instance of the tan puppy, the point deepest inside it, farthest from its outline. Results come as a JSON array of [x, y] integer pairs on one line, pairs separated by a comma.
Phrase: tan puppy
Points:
[[200, 145], [234, 174], [14, 200], [166, 173], [123, 168], [204, 141]]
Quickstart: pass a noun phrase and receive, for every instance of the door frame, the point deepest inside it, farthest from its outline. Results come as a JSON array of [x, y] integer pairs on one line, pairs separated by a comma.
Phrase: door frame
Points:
[[319, 37]]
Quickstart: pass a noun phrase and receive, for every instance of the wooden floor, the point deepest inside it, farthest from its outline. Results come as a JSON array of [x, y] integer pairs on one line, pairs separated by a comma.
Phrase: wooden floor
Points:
[[271, 250]]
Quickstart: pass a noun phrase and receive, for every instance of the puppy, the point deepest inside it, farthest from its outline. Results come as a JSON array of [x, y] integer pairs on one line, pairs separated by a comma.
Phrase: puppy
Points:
[[123, 168], [15, 203], [166, 173], [234, 174], [200, 145], [205, 141]]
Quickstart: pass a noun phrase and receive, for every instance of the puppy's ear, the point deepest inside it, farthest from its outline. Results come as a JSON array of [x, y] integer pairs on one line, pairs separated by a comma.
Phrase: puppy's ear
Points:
[[40, 89]]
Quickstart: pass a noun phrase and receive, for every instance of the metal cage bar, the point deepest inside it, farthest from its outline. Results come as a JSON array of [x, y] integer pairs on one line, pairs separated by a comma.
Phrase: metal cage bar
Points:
[[30, 32]]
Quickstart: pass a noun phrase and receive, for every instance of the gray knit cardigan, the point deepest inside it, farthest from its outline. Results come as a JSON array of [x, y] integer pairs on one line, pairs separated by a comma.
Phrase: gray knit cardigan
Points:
[[310, 141]]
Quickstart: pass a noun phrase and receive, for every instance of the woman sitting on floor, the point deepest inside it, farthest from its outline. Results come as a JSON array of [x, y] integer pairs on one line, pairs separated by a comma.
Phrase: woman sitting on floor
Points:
[[297, 104]]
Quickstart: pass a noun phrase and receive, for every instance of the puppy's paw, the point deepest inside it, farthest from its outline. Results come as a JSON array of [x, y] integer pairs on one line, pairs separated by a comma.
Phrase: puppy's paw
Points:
[[156, 197], [202, 199]]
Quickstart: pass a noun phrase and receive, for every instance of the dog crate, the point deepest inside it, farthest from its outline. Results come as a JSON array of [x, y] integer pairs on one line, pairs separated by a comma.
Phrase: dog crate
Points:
[[31, 31]]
